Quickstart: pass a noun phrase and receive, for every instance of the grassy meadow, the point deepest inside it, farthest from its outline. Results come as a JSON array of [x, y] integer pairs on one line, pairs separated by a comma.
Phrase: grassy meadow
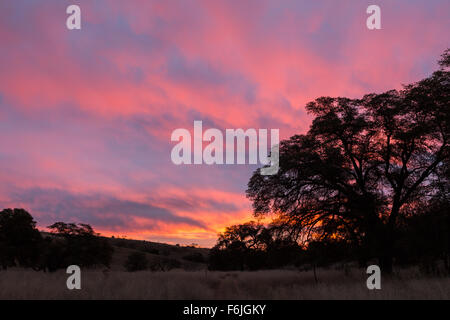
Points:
[[180, 284]]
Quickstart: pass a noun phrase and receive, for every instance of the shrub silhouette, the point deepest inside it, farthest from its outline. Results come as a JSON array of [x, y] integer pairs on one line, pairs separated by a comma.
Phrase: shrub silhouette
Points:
[[195, 257], [170, 263], [151, 250], [136, 261], [53, 255]]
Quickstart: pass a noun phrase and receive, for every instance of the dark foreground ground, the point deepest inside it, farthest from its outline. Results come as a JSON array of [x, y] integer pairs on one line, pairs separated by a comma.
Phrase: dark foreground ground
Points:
[[178, 284]]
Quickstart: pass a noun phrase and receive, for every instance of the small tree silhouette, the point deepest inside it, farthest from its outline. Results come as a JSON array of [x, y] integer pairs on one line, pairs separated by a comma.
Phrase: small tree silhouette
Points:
[[19, 239], [82, 246]]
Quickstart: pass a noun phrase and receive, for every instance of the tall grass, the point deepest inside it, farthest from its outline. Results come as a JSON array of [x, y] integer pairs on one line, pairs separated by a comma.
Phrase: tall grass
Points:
[[277, 284]]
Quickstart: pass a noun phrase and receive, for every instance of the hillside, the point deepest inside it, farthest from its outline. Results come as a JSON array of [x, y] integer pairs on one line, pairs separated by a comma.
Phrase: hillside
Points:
[[161, 256]]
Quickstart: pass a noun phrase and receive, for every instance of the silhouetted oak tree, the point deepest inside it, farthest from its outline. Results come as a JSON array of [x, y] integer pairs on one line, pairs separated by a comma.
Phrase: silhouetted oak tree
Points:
[[361, 166]]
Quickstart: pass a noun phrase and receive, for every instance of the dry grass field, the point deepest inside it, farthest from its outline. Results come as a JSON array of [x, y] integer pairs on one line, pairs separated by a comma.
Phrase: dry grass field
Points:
[[277, 284]]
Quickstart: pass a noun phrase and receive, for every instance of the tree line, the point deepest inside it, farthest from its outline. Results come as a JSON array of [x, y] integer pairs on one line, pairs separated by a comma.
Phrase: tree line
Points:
[[22, 245]]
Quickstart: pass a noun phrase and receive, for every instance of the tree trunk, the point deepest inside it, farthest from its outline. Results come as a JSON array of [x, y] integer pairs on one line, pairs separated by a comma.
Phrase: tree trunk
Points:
[[388, 240], [386, 262], [315, 275], [387, 251]]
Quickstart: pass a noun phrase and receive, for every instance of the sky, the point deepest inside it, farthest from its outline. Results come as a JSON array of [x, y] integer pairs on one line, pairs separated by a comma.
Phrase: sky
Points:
[[86, 115]]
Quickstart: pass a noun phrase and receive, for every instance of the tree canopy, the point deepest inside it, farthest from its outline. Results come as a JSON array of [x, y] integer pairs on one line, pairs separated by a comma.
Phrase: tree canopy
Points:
[[363, 167], [19, 239]]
